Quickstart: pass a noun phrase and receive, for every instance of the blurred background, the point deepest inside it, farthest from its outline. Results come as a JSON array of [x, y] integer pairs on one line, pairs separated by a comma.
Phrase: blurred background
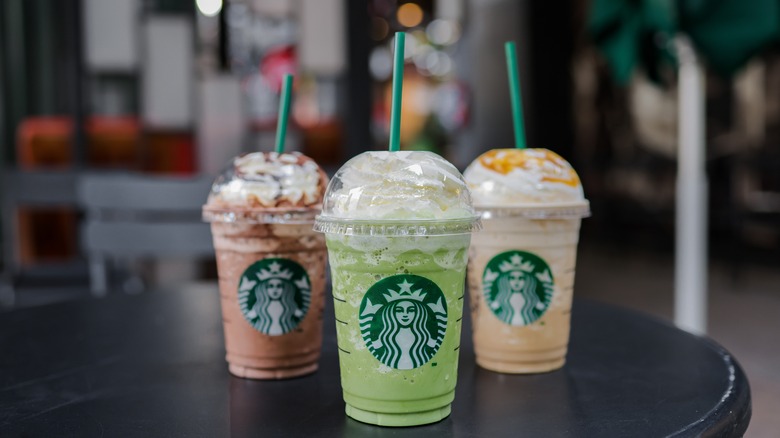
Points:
[[115, 115]]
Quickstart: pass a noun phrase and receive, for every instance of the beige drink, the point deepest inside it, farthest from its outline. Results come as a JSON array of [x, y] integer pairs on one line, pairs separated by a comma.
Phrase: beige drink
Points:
[[271, 264], [521, 266]]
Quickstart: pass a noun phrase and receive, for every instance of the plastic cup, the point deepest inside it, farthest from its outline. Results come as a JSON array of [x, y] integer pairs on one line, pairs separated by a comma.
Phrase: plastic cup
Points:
[[398, 227], [522, 265], [271, 264]]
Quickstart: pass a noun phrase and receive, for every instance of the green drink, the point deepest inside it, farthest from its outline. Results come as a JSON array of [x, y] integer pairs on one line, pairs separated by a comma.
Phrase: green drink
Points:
[[398, 227]]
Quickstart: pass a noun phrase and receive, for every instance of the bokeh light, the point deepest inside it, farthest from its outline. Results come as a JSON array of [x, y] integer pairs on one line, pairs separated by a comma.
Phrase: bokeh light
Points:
[[410, 14], [443, 32], [380, 63], [209, 8], [411, 47]]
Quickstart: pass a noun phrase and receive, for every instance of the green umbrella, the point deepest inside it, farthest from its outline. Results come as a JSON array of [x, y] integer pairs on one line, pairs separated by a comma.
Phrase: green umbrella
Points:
[[725, 32], [729, 32]]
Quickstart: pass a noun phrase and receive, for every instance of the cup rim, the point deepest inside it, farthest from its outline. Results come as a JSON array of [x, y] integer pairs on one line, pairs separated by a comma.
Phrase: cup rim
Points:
[[397, 227], [275, 215], [558, 210]]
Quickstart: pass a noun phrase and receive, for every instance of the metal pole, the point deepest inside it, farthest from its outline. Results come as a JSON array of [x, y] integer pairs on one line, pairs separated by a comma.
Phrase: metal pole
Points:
[[690, 282]]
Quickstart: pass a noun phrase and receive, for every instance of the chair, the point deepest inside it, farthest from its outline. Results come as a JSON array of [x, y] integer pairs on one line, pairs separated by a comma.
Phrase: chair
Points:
[[28, 188], [133, 216]]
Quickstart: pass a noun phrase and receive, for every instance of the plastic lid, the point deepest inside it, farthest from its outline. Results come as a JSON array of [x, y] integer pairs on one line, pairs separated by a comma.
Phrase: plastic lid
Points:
[[534, 183], [267, 187], [549, 211], [403, 193]]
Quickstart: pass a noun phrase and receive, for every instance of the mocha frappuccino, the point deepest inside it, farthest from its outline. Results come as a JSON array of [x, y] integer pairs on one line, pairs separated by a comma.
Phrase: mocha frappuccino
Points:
[[271, 264]]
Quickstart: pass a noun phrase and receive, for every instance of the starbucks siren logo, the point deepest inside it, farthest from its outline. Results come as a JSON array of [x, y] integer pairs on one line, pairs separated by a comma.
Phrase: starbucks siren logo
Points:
[[518, 287], [274, 295], [403, 319]]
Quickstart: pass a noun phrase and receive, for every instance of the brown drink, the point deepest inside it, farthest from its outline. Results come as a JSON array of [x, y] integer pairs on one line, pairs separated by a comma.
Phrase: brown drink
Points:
[[271, 264]]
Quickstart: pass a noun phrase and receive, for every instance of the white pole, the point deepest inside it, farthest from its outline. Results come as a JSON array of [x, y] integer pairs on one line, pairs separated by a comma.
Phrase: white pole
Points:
[[690, 280]]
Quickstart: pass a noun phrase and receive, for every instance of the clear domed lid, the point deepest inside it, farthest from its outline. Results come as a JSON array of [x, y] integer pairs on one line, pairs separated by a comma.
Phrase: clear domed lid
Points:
[[267, 187], [536, 183], [397, 193]]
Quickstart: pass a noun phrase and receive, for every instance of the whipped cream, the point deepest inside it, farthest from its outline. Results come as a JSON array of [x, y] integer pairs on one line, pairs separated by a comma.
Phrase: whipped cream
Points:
[[405, 185], [519, 177], [270, 180]]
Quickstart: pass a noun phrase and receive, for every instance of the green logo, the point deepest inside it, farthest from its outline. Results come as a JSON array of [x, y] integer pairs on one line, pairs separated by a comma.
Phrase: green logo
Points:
[[274, 295], [403, 319], [518, 287]]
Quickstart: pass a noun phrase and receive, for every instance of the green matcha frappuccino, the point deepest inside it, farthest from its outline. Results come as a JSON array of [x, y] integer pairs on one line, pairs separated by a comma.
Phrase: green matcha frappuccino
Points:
[[398, 227]]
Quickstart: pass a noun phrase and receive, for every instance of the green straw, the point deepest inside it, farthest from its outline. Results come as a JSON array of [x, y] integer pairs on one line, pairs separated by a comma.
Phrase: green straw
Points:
[[284, 111], [398, 83], [514, 93]]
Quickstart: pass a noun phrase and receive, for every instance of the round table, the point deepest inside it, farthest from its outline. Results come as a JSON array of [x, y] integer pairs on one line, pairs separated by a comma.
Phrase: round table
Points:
[[153, 365]]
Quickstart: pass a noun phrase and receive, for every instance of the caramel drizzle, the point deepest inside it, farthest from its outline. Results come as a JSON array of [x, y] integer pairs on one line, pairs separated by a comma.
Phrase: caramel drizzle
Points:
[[504, 161]]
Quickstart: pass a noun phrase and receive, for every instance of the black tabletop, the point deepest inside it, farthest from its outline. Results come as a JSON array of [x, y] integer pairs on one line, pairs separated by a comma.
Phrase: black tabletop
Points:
[[153, 365]]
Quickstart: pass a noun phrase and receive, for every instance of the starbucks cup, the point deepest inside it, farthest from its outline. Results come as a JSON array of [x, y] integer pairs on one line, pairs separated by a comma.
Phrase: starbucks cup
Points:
[[521, 266], [398, 227], [271, 264]]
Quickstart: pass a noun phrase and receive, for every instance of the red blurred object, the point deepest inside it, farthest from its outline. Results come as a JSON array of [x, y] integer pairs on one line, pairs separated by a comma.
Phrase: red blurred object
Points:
[[277, 63], [46, 142], [169, 152], [112, 142], [49, 234], [323, 142]]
